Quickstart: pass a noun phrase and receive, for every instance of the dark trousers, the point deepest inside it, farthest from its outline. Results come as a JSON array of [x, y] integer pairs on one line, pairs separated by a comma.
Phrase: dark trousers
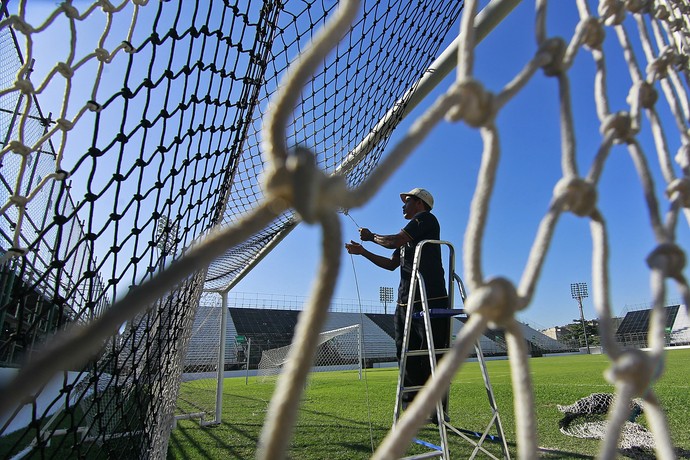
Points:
[[417, 368]]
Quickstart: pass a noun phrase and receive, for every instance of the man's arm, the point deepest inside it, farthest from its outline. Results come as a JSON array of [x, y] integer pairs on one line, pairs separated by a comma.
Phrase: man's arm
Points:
[[380, 261], [387, 241]]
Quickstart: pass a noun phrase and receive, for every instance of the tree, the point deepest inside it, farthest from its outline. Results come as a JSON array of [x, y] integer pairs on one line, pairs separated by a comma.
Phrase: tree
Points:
[[573, 333]]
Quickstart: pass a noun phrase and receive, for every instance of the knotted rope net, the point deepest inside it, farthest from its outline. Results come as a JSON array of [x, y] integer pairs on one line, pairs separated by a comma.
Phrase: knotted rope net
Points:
[[295, 179], [586, 418]]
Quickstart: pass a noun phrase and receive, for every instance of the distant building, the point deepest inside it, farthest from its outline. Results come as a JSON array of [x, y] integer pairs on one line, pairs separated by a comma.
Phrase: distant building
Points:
[[556, 332]]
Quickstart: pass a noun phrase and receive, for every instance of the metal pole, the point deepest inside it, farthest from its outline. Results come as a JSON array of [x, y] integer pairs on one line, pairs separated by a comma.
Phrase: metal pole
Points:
[[249, 354], [584, 327], [359, 337], [221, 358]]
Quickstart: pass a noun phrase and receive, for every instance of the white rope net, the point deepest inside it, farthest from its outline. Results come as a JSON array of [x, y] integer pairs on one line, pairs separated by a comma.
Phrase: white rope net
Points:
[[337, 348], [294, 182]]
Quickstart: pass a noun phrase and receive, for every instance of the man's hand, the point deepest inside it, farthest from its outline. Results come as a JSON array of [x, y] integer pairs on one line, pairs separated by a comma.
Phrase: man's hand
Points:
[[354, 248], [365, 234]]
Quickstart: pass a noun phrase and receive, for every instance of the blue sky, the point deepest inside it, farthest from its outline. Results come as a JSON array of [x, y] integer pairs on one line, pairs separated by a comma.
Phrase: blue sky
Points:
[[447, 164]]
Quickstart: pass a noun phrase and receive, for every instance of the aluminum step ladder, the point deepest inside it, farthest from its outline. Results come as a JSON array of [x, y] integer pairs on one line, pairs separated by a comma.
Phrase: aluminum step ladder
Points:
[[475, 439]]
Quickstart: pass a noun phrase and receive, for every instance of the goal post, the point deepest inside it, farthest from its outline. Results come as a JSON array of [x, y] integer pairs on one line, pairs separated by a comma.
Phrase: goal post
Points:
[[338, 349]]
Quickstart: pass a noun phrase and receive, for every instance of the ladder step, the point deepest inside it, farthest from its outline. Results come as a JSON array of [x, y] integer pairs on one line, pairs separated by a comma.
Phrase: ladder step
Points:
[[438, 351], [411, 388], [439, 313], [421, 442]]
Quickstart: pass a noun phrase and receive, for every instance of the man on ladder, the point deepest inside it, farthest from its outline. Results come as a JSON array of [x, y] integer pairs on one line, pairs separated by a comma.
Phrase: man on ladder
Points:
[[432, 306], [422, 225]]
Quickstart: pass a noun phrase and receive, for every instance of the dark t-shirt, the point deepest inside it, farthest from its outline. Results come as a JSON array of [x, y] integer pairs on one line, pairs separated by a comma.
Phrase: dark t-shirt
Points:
[[423, 226]]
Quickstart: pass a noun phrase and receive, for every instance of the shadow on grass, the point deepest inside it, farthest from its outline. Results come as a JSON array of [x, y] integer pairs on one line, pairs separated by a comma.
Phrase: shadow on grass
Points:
[[195, 441]]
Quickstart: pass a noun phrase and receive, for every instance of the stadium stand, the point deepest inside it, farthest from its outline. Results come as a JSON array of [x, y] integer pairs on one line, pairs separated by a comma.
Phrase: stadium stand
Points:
[[634, 322], [377, 342], [540, 343], [272, 328], [680, 333], [385, 322], [205, 331], [266, 328], [633, 329]]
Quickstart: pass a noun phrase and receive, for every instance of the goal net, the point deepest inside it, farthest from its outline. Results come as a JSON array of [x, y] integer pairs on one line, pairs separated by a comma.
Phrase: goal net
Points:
[[201, 362], [338, 349], [134, 135], [586, 418]]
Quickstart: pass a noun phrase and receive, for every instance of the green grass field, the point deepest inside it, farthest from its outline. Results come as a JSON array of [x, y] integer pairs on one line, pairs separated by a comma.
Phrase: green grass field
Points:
[[338, 421]]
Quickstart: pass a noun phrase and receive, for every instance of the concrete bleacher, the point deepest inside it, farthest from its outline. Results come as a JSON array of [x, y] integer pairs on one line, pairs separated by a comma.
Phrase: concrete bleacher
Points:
[[490, 347], [266, 328], [378, 345], [540, 343], [385, 322], [206, 329], [680, 331]]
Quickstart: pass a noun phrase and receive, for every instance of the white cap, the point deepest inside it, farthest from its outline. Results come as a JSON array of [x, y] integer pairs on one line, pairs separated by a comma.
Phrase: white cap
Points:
[[420, 193]]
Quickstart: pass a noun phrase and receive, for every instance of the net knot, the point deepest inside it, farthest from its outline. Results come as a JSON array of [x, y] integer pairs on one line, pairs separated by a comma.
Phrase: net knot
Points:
[[633, 367], [140, 2], [620, 125], [61, 175], [19, 148], [644, 93], [25, 86], [107, 7], [593, 33], [555, 48], [20, 25], [658, 68], [475, 104], [64, 124], [64, 70], [70, 11], [128, 47], [19, 200], [303, 185], [93, 106], [679, 189], [579, 196], [637, 6], [661, 12], [497, 301], [677, 25], [668, 258], [612, 12], [102, 55]]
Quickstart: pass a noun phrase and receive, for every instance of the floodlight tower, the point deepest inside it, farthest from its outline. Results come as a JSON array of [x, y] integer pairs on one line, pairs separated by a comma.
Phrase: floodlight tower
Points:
[[385, 295], [579, 291]]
